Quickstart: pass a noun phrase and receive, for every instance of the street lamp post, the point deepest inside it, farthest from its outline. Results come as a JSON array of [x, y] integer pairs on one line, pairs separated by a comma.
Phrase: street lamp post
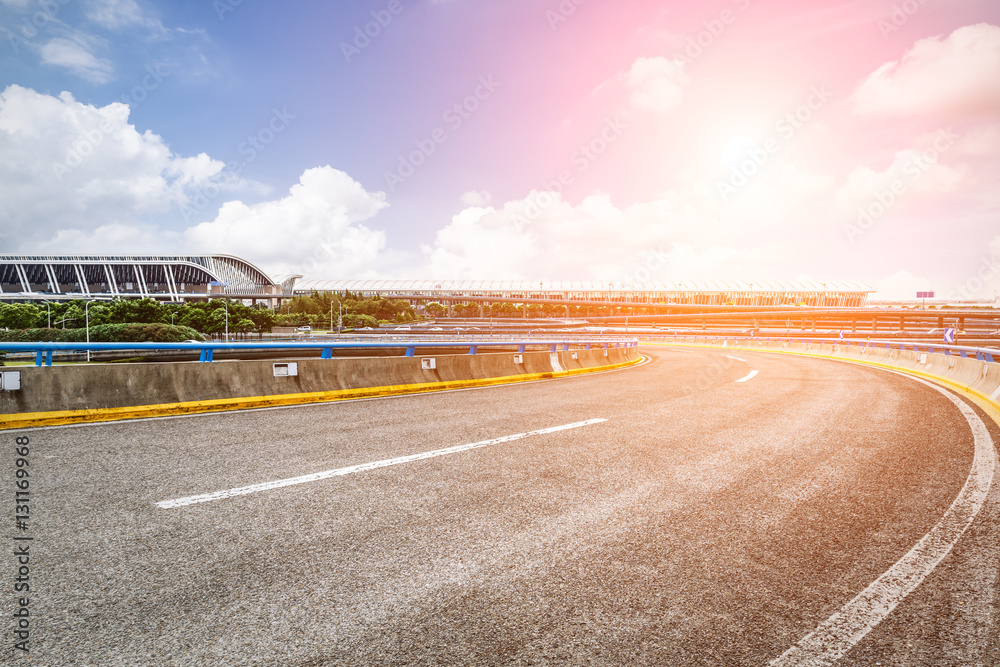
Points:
[[49, 309], [227, 320], [86, 313]]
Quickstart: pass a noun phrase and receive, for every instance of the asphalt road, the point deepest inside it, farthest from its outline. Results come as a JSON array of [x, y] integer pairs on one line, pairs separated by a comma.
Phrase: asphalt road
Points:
[[706, 522]]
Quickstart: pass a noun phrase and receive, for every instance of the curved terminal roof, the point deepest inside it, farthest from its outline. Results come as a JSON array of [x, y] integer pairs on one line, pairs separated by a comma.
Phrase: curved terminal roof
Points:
[[109, 276]]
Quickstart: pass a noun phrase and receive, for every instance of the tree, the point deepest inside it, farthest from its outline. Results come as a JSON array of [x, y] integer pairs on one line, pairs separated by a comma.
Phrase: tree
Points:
[[21, 315], [262, 319], [137, 311], [194, 318], [435, 309], [98, 314], [244, 326], [216, 322], [467, 310]]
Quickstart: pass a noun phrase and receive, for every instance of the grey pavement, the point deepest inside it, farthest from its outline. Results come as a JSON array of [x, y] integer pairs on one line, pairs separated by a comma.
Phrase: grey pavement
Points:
[[706, 522]]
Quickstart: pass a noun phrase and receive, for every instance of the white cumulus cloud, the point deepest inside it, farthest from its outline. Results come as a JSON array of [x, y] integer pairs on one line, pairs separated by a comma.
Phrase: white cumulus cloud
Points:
[[316, 230], [65, 166]]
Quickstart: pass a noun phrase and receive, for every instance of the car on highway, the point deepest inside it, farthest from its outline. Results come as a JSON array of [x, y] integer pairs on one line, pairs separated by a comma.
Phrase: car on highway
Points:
[[304, 329], [436, 329], [402, 328]]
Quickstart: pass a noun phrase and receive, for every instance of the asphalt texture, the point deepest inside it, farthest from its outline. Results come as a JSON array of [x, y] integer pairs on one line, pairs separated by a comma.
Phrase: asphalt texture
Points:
[[706, 522]]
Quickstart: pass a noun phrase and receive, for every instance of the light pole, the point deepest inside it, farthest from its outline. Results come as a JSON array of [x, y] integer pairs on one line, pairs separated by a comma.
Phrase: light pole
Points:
[[227, 320], [172, 316], [340, 317], [48, 307]]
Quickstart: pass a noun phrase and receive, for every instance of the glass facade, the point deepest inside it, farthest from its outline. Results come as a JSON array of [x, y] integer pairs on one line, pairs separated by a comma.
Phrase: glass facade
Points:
[[169, 278]]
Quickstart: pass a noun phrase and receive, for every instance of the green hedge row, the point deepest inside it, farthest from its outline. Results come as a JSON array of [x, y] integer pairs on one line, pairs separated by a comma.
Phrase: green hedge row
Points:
[[105, 333]]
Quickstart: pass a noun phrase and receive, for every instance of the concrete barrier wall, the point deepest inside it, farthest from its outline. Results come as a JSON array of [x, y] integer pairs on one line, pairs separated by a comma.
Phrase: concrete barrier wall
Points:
[[100, 386], [979, 376]]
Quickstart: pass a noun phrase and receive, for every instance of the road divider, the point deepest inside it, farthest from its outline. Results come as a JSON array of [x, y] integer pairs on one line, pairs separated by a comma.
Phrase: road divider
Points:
[[58, 395], [974, 371]]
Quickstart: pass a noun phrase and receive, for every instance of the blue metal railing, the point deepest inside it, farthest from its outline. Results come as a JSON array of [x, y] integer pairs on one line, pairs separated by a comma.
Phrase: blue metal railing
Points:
[[44, 351], [986, 354]]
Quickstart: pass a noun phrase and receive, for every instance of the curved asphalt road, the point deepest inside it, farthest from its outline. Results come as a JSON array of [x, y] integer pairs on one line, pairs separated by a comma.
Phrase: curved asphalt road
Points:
[[706, 522]]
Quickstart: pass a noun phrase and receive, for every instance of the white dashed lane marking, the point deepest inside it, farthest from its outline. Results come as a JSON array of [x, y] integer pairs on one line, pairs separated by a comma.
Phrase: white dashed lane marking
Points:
[[326, 474]]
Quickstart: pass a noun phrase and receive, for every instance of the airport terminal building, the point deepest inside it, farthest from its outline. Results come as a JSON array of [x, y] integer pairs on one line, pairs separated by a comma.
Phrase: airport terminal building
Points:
[[201, 277], [166, 278], [831, 294]]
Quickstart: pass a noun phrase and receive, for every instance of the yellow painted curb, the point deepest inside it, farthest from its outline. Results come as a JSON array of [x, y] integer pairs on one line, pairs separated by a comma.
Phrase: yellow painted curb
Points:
[[63, 417], [991, 407]]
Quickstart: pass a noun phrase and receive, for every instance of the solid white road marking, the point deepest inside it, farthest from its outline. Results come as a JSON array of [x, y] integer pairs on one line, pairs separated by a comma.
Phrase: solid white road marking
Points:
[[736, 358], [316, 476], [749, 376], [834, 637]]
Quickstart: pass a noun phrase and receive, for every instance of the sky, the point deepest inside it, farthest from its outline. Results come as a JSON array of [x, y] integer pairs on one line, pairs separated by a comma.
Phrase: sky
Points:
[[632, 140]]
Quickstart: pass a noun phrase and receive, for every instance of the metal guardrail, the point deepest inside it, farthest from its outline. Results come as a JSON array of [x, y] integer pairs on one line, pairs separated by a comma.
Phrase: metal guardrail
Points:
[[980, 353], [43, 351]]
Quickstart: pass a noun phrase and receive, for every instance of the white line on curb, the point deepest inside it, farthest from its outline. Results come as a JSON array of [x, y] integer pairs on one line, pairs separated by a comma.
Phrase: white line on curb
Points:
[[316, 476], [749, 376], [834, 637]]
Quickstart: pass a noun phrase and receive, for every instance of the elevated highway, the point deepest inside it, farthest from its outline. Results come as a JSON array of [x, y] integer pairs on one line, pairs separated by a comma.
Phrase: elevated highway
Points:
[[711, 507]]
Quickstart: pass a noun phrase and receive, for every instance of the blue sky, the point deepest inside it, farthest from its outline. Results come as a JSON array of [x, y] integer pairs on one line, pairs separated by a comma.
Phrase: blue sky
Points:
[[434, 146]]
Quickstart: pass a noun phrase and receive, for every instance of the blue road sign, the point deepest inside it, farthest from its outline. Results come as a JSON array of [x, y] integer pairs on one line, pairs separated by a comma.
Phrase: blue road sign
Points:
[[949, 336]]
